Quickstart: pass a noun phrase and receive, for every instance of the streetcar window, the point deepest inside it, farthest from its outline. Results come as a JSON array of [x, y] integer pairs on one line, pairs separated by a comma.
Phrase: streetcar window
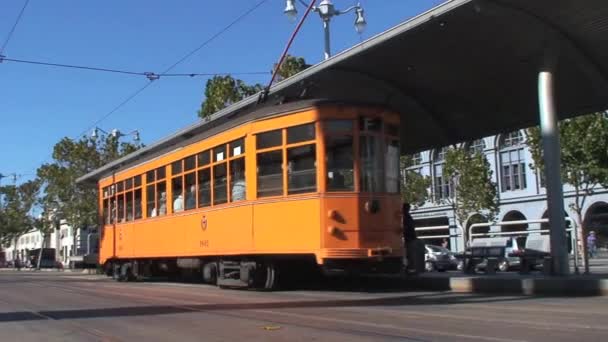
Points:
[[370, 124], [237, 147], [219, 153], [129, 197], [237, 179], [340, 165], [138, 203], [301, 169], [204, 187], [150, 176], [177, 193], [269, 139], [203, 158], [120, 215], [219, 184], [270, 173], [161, 190], [176, 167], [106, 192], [372, 164], [137, 181], [106, 211], [190, 191], [119, 186], [392, 130], [160, 173], [189, 163], [338, 126], [151, 201], [128, 183], [391, 159], [300, 133]]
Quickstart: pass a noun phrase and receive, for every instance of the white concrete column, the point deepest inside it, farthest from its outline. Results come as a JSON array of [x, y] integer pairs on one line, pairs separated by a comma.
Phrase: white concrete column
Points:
[[551, 156]]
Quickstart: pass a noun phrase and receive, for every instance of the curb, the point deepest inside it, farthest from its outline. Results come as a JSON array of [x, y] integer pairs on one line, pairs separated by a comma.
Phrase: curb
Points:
[[553, 286], [54, 270]]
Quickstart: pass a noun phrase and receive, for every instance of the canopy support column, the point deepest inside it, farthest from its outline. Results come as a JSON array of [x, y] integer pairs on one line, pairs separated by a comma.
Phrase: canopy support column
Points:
[[551, 156]]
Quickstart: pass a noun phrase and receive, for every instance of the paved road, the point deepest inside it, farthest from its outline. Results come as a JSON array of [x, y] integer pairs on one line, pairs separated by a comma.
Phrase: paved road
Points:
[[75, 307]]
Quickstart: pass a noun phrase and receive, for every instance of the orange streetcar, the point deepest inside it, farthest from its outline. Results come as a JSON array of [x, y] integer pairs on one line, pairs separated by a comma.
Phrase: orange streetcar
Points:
[[240, 200]]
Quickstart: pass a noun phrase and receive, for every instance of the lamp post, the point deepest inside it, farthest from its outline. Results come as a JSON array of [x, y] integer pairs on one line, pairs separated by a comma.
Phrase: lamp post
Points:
[[115, 133], [327, 10]]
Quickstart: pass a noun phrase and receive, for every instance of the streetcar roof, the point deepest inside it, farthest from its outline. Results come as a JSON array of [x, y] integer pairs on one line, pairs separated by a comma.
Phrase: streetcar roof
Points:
[[460, 71]]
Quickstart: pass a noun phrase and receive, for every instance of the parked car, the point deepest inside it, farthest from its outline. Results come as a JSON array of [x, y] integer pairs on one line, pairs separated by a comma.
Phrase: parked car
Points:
[[440, 259], [507, 246]]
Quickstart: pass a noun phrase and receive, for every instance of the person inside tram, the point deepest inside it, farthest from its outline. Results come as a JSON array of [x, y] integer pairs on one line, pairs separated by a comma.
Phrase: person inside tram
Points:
[[238, 187], [178, 204], [163, 204]]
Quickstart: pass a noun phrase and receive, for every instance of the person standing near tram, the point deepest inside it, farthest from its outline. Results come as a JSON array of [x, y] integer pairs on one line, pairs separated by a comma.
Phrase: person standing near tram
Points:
[[414, 248]]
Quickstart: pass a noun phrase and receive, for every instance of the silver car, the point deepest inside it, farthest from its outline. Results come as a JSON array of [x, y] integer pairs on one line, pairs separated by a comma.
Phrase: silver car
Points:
[[440, 259]]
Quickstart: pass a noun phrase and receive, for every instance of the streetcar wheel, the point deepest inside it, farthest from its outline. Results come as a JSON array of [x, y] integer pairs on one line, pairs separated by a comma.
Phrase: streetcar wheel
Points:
[[271, 280], [503, 266], [210, 273]]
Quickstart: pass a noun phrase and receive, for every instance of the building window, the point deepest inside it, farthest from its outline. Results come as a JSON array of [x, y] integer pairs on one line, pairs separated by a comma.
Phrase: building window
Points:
[[441, 183], [512, 162], [416, 159], [477, 146]]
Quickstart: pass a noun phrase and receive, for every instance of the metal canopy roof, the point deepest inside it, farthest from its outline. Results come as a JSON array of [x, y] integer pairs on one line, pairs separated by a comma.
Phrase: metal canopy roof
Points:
[[463, 70]]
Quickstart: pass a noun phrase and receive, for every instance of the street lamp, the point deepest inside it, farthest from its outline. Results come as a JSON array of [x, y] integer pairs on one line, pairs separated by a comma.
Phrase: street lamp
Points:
[[115, 133], [327, 10]]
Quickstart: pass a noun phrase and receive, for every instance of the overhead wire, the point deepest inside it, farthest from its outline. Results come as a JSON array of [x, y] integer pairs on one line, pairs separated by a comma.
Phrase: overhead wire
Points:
[[152, 76], [181, 60], [10, 33], [127, 72]]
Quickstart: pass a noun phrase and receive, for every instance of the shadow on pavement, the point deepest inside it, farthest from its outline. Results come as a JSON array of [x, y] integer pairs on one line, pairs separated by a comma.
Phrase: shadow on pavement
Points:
[[393, 301]]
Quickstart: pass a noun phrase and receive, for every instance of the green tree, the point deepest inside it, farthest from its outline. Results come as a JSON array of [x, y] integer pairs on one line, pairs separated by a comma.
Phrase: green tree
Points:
[[16, 209], [291, 66], [474, 192], [222, 91], [584, 161], [414, 186], [77, 203]]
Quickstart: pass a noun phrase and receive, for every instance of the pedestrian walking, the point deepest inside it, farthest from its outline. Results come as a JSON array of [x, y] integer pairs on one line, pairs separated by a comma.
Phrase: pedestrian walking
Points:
[[591, 243]]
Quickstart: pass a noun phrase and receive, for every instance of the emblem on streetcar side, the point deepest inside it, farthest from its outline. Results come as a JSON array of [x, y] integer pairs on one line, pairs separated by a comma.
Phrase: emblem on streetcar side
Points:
[[204, 223]]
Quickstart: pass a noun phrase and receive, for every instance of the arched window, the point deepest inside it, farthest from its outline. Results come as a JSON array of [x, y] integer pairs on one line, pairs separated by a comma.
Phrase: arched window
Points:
[[441, 183], [512, 162], [416, 159], [478, 145]]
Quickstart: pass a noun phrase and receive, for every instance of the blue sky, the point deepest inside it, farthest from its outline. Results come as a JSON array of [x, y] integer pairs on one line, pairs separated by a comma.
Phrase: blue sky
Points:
[[40, 105]]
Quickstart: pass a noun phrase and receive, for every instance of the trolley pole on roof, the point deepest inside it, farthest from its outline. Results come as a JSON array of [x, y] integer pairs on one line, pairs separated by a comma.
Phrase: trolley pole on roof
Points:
[[551, 154]]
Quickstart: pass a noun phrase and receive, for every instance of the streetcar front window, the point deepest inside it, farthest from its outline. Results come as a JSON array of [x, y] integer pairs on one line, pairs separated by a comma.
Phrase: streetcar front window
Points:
[[371, 154], [391, 159], [340, 165]]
